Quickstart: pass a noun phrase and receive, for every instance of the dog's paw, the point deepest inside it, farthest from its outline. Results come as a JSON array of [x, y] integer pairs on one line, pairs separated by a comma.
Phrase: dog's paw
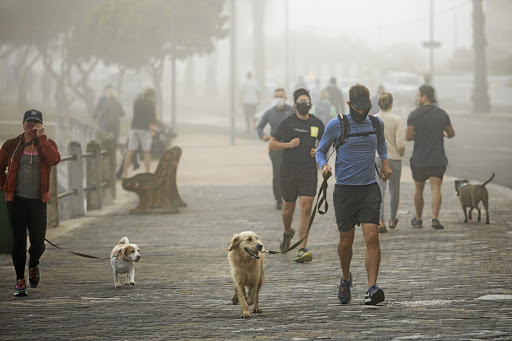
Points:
[[235, 300], [117, 285], [245, 315], [132, 283], [257, 310]]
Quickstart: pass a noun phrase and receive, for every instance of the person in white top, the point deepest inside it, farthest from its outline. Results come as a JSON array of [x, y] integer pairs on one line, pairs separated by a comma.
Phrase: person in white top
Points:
[[395, 141], [250, 99]]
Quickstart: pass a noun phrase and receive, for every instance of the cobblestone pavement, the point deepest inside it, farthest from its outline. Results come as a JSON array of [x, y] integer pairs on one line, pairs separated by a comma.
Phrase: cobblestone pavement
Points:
[[453, 284]]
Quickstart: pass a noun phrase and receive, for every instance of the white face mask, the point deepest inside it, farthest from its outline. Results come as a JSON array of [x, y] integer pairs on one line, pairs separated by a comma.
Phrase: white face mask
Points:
[[279, 102]]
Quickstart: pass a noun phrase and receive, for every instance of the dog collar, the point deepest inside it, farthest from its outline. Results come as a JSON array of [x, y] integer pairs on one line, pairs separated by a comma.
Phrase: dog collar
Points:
[[464, 184]]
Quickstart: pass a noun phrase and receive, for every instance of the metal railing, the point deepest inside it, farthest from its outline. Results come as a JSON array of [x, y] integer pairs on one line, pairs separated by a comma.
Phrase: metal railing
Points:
[[98, 162]]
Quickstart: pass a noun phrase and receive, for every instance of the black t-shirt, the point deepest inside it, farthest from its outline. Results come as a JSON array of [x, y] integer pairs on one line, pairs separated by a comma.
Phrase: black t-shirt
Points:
[[308, 131], [144, 113], [429, 123]]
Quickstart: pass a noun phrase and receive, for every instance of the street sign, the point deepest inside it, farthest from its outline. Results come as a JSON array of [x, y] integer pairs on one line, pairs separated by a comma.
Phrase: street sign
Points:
[[431, 44]]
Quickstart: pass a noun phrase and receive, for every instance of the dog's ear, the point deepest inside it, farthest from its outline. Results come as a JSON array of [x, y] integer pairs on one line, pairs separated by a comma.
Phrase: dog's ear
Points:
[[120, 253], [234, 240]]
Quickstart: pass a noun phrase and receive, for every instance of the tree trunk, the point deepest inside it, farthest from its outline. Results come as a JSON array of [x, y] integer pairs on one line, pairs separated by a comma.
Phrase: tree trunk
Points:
[[480, 96], [22, 86]]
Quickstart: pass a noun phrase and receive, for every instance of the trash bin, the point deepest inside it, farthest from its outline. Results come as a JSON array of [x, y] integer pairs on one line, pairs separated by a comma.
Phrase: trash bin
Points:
[[5, 227]]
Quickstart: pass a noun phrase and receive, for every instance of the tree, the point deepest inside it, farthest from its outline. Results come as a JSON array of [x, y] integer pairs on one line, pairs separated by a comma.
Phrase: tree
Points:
[[480, 97], [135, 34]]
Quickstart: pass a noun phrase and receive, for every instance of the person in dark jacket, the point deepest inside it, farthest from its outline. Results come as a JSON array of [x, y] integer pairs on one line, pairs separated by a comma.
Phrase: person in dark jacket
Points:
[[273, 117], [335, 96], [28, 159]]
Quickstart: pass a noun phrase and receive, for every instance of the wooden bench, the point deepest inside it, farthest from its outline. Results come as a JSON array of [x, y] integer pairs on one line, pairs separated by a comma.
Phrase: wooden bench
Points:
[[159, 189]]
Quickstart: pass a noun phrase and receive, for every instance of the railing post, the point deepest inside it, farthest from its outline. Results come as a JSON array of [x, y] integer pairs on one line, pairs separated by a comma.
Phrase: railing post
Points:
[[93, 176], [52, 208], [75, 180], [108, 164]]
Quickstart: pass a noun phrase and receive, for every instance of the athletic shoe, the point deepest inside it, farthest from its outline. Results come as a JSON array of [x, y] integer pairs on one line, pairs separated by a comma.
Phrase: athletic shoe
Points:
[[374, 295], [436, 225], [33, 277], [287, 238], [416, 223], [303, 256], [344, 290], [20, 289], [393, 226]]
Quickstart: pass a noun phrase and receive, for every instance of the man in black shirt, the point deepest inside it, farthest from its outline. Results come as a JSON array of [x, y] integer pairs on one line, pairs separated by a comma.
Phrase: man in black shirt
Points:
[[335, 96], [297, 135], [144, 116], [274, 116], [427, 126]]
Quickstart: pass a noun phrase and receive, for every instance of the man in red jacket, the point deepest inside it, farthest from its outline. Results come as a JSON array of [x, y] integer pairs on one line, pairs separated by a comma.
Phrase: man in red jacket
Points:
[[28, 159]]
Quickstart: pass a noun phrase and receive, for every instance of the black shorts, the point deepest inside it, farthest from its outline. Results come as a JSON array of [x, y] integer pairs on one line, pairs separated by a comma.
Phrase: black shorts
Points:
[[424, 173], [297, 181], [356, 205]]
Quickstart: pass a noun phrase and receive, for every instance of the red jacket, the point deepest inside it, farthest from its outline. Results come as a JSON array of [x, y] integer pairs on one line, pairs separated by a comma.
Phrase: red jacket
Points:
[[48, 156]]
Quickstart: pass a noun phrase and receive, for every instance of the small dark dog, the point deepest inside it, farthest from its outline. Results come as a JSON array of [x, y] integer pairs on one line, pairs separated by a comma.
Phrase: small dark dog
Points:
[[471, 195]]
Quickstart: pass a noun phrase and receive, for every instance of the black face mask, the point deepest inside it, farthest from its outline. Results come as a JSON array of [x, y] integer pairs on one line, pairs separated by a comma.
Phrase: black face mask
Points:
[[356, 116], [303, 108]]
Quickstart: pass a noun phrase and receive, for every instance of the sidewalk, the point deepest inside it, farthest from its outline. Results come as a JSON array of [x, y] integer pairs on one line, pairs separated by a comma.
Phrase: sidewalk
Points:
[[454, 284]]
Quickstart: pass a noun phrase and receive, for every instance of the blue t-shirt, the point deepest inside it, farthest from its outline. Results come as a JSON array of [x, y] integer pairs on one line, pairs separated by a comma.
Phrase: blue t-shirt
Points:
[[355, 160]]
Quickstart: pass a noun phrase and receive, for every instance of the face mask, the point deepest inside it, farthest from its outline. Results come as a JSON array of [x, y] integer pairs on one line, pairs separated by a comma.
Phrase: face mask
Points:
[[29, 129], [279, 102], [303, 108], [356, 116]]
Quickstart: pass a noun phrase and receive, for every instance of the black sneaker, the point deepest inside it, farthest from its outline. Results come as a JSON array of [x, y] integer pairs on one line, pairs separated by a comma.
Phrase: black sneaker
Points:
[[436, 225], [374, 295], [287, 238], [344, 295], [33, 277], [416, 223]]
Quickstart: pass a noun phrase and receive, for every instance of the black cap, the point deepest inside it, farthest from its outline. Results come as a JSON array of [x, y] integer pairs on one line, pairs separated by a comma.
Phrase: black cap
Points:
[[33, 115], [361, 104]]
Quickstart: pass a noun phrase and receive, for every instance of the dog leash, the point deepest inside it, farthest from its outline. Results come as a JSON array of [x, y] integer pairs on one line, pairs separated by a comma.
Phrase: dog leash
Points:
[[75, 253], [320, 199]]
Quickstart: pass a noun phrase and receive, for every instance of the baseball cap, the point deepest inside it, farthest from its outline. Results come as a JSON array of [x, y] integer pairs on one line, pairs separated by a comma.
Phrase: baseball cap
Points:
[[33, 115], [361, 102]]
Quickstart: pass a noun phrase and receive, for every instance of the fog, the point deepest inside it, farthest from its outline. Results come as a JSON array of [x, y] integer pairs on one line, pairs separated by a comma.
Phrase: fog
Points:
[[59, 55]]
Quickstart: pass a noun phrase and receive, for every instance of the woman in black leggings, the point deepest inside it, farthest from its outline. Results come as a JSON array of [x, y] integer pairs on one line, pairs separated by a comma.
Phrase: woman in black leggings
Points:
[[28, 158]]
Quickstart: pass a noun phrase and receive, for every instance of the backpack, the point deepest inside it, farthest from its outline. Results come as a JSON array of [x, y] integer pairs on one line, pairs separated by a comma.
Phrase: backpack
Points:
[[345, 130]]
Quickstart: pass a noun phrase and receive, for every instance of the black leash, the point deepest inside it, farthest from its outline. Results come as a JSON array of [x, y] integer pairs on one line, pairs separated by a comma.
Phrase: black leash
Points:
[[75, 253], [320, 199]]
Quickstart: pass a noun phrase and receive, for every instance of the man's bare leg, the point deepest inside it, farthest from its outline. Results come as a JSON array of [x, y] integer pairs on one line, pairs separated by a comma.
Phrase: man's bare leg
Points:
[[126, 164], [306, 204], [372, 261], [345, 252], [437, 199], [418, 198]]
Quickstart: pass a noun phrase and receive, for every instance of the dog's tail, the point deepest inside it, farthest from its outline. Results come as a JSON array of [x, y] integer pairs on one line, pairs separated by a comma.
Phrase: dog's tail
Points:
[[485, 183], [124, 241]]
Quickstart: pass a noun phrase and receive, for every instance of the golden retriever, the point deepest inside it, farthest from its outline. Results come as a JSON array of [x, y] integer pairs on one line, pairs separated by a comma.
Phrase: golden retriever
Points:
[[246, 260]]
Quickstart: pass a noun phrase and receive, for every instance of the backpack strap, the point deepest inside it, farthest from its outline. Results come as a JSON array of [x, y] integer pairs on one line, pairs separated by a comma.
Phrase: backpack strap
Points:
[[376, 125], [345, 131]]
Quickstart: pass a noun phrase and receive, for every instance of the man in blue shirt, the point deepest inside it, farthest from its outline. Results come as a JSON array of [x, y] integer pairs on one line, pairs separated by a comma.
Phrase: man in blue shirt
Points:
[[273, 117], [357, 195]]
